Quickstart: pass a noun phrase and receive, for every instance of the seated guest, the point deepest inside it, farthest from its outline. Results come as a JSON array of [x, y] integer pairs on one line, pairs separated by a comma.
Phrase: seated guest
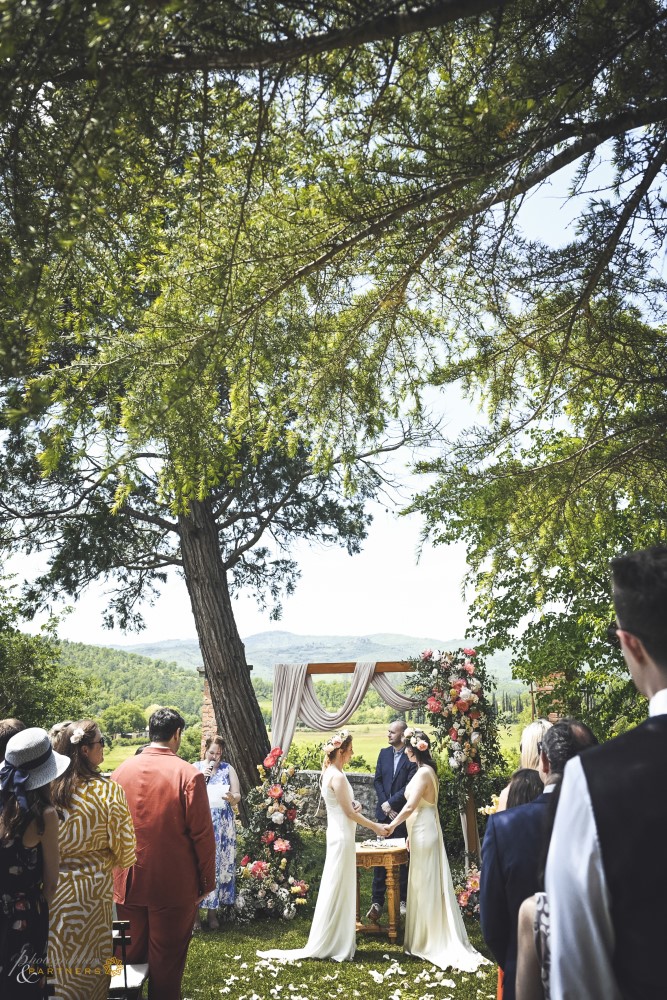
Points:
[[28, 860], [530, 757], [8, 728], [513, 848], [96, 835], [608, 933]]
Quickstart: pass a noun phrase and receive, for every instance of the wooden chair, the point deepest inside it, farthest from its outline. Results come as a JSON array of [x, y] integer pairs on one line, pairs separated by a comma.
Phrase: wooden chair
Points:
[[129, 982]]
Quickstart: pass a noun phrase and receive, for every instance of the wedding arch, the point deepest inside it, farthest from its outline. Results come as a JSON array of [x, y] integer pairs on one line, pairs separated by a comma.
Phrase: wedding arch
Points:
[[294, 699]]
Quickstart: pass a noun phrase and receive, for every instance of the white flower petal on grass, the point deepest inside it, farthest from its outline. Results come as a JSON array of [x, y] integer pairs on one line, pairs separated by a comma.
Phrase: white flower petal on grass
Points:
[[377, 976]]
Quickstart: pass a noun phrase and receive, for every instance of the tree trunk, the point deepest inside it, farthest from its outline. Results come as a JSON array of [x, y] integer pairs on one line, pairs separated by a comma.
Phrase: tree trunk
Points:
[[236, 710]]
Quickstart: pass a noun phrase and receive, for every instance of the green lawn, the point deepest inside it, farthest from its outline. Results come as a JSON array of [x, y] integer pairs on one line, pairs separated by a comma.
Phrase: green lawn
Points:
[[224, 964]]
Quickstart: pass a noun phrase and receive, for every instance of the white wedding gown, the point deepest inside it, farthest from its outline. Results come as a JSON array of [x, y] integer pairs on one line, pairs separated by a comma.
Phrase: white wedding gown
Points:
[[333, 930], [434, 928]]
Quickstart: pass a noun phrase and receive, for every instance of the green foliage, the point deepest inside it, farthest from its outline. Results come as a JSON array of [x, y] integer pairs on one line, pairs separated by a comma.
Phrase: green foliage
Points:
[[122, 717], [34, 686], [115, 678], [190, 748]]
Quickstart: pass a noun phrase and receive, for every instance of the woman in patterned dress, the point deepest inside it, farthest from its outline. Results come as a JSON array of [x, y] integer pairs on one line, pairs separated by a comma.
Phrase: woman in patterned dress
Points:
[[28, 862], [96, 836], [224, 792]]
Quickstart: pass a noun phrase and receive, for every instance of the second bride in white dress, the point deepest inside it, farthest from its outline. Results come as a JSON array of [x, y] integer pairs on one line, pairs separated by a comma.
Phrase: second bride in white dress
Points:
[[333, 930], [434, 928]]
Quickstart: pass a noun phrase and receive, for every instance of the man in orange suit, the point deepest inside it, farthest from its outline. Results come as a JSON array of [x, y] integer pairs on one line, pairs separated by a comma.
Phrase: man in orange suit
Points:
[[175, 866]]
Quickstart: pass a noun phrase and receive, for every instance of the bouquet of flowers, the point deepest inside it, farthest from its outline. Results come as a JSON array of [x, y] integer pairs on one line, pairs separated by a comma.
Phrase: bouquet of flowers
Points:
[[467, 894], [265, 876], [455, 688]]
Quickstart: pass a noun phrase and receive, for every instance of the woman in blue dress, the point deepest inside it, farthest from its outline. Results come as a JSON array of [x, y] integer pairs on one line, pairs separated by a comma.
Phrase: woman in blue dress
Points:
[[224, 792]]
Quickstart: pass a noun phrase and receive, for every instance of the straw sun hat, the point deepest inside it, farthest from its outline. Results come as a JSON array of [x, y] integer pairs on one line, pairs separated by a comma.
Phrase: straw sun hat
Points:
[[30, 757]]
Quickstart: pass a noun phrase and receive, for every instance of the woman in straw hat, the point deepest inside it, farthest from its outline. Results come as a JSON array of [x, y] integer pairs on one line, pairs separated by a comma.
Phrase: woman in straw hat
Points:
[[28, 861]]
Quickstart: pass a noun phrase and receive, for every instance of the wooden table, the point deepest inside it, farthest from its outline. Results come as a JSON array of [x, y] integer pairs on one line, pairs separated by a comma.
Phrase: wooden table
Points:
[[389, 854]]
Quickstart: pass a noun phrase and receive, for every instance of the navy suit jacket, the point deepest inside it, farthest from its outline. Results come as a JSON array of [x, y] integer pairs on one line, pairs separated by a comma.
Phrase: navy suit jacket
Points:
[[389, 787], [511, 856]]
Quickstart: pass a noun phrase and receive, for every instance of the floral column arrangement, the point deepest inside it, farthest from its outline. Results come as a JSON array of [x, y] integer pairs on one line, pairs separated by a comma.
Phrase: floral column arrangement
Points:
[[266, 876], [455, 689]]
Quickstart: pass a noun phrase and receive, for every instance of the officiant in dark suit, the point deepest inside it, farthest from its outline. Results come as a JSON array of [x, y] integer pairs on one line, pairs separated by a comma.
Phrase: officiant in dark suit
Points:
[[392, 773]]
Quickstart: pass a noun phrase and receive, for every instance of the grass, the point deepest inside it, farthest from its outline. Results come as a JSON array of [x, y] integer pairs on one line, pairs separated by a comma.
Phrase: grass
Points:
[[224, 964]]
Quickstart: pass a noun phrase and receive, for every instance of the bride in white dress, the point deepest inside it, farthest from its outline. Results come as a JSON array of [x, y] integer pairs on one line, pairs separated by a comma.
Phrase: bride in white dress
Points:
[[332, 932], [434, 928]]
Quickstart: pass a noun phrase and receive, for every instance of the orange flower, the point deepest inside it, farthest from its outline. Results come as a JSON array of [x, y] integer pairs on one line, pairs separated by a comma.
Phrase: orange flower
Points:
[[275, 792]]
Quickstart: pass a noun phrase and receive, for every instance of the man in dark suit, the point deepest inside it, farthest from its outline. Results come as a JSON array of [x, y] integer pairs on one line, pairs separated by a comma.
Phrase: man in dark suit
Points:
[[392, 773], [607, 923], [515, 845]]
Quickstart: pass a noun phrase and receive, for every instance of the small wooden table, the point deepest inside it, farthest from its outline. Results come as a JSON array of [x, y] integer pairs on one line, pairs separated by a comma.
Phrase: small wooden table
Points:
[[389, 854]]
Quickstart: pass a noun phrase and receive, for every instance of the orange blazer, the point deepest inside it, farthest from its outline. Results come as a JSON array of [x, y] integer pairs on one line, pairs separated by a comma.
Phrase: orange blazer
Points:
[[172, 822]]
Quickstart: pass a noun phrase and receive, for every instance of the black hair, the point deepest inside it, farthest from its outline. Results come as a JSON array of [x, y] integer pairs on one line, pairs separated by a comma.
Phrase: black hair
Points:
[[423, 756], [566, 739], [8, 728], [164, 723], [640, 596], [525, 785], [14, 820]]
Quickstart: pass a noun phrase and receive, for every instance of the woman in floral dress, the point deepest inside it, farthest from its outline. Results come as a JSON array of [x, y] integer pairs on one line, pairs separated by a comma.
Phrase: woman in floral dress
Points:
[[224, 792]]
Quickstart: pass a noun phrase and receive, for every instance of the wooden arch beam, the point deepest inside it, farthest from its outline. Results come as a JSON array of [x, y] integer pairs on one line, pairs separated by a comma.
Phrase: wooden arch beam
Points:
[[382, 667]]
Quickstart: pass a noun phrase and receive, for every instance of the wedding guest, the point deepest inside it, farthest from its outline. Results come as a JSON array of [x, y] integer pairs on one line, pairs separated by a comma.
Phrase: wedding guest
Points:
[[531, 736], [176, 852], [96, 835], [333, 930], [57, 731], [613, 808], [525, 785], [224, 792], [434, 928], [28, 861], [392, 773], [8, 728], [513, 847]]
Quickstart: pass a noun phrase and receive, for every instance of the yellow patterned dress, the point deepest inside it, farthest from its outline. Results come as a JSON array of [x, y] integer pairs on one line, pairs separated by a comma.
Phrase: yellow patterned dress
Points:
[[95, 836]]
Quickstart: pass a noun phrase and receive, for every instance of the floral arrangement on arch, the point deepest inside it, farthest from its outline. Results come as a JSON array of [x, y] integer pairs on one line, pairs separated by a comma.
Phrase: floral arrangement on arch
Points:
[[266, 880], [455, 688], [467, 893]]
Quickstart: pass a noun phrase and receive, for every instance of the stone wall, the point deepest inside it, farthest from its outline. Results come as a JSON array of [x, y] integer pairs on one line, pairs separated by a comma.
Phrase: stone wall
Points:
[[312, 811]]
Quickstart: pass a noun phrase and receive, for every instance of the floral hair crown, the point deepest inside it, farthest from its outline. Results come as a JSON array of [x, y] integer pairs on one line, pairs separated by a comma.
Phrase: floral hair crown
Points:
[[336, 742], [417, 739]]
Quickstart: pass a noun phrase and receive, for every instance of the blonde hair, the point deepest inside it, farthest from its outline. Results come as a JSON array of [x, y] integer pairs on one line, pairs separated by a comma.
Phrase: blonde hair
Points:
[[530, 737]]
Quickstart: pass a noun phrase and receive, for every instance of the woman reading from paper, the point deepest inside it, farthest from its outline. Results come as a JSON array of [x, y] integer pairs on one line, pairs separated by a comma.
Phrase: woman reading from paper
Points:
[[333, 930]]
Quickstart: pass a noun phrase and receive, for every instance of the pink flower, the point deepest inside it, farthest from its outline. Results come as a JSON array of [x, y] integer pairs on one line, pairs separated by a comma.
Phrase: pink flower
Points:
[[473, 767], [469, 667], [422, 745], [433, 705], [427, 654], [259, 869], [282, 846], [463, 898], [462, 705], [244, 860], [453, 734], [469, 652], [275, 791], [268, 837]]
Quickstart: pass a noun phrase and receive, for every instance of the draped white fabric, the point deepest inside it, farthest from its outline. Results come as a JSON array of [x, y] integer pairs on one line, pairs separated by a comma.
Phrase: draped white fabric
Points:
[[294, 698]]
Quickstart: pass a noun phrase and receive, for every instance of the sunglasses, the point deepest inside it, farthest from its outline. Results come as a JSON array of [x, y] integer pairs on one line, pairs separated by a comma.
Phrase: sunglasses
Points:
[[102, 742]]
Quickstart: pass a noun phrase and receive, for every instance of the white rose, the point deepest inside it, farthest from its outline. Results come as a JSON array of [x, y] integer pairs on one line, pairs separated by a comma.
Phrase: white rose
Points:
[[474, 684], [475, 737], [453, 763], [466, 694], [278, 818], [456, 746], [434, 673]]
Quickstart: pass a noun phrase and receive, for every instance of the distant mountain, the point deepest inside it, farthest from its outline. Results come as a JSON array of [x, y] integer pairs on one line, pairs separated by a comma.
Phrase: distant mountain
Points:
[[265, 649]]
